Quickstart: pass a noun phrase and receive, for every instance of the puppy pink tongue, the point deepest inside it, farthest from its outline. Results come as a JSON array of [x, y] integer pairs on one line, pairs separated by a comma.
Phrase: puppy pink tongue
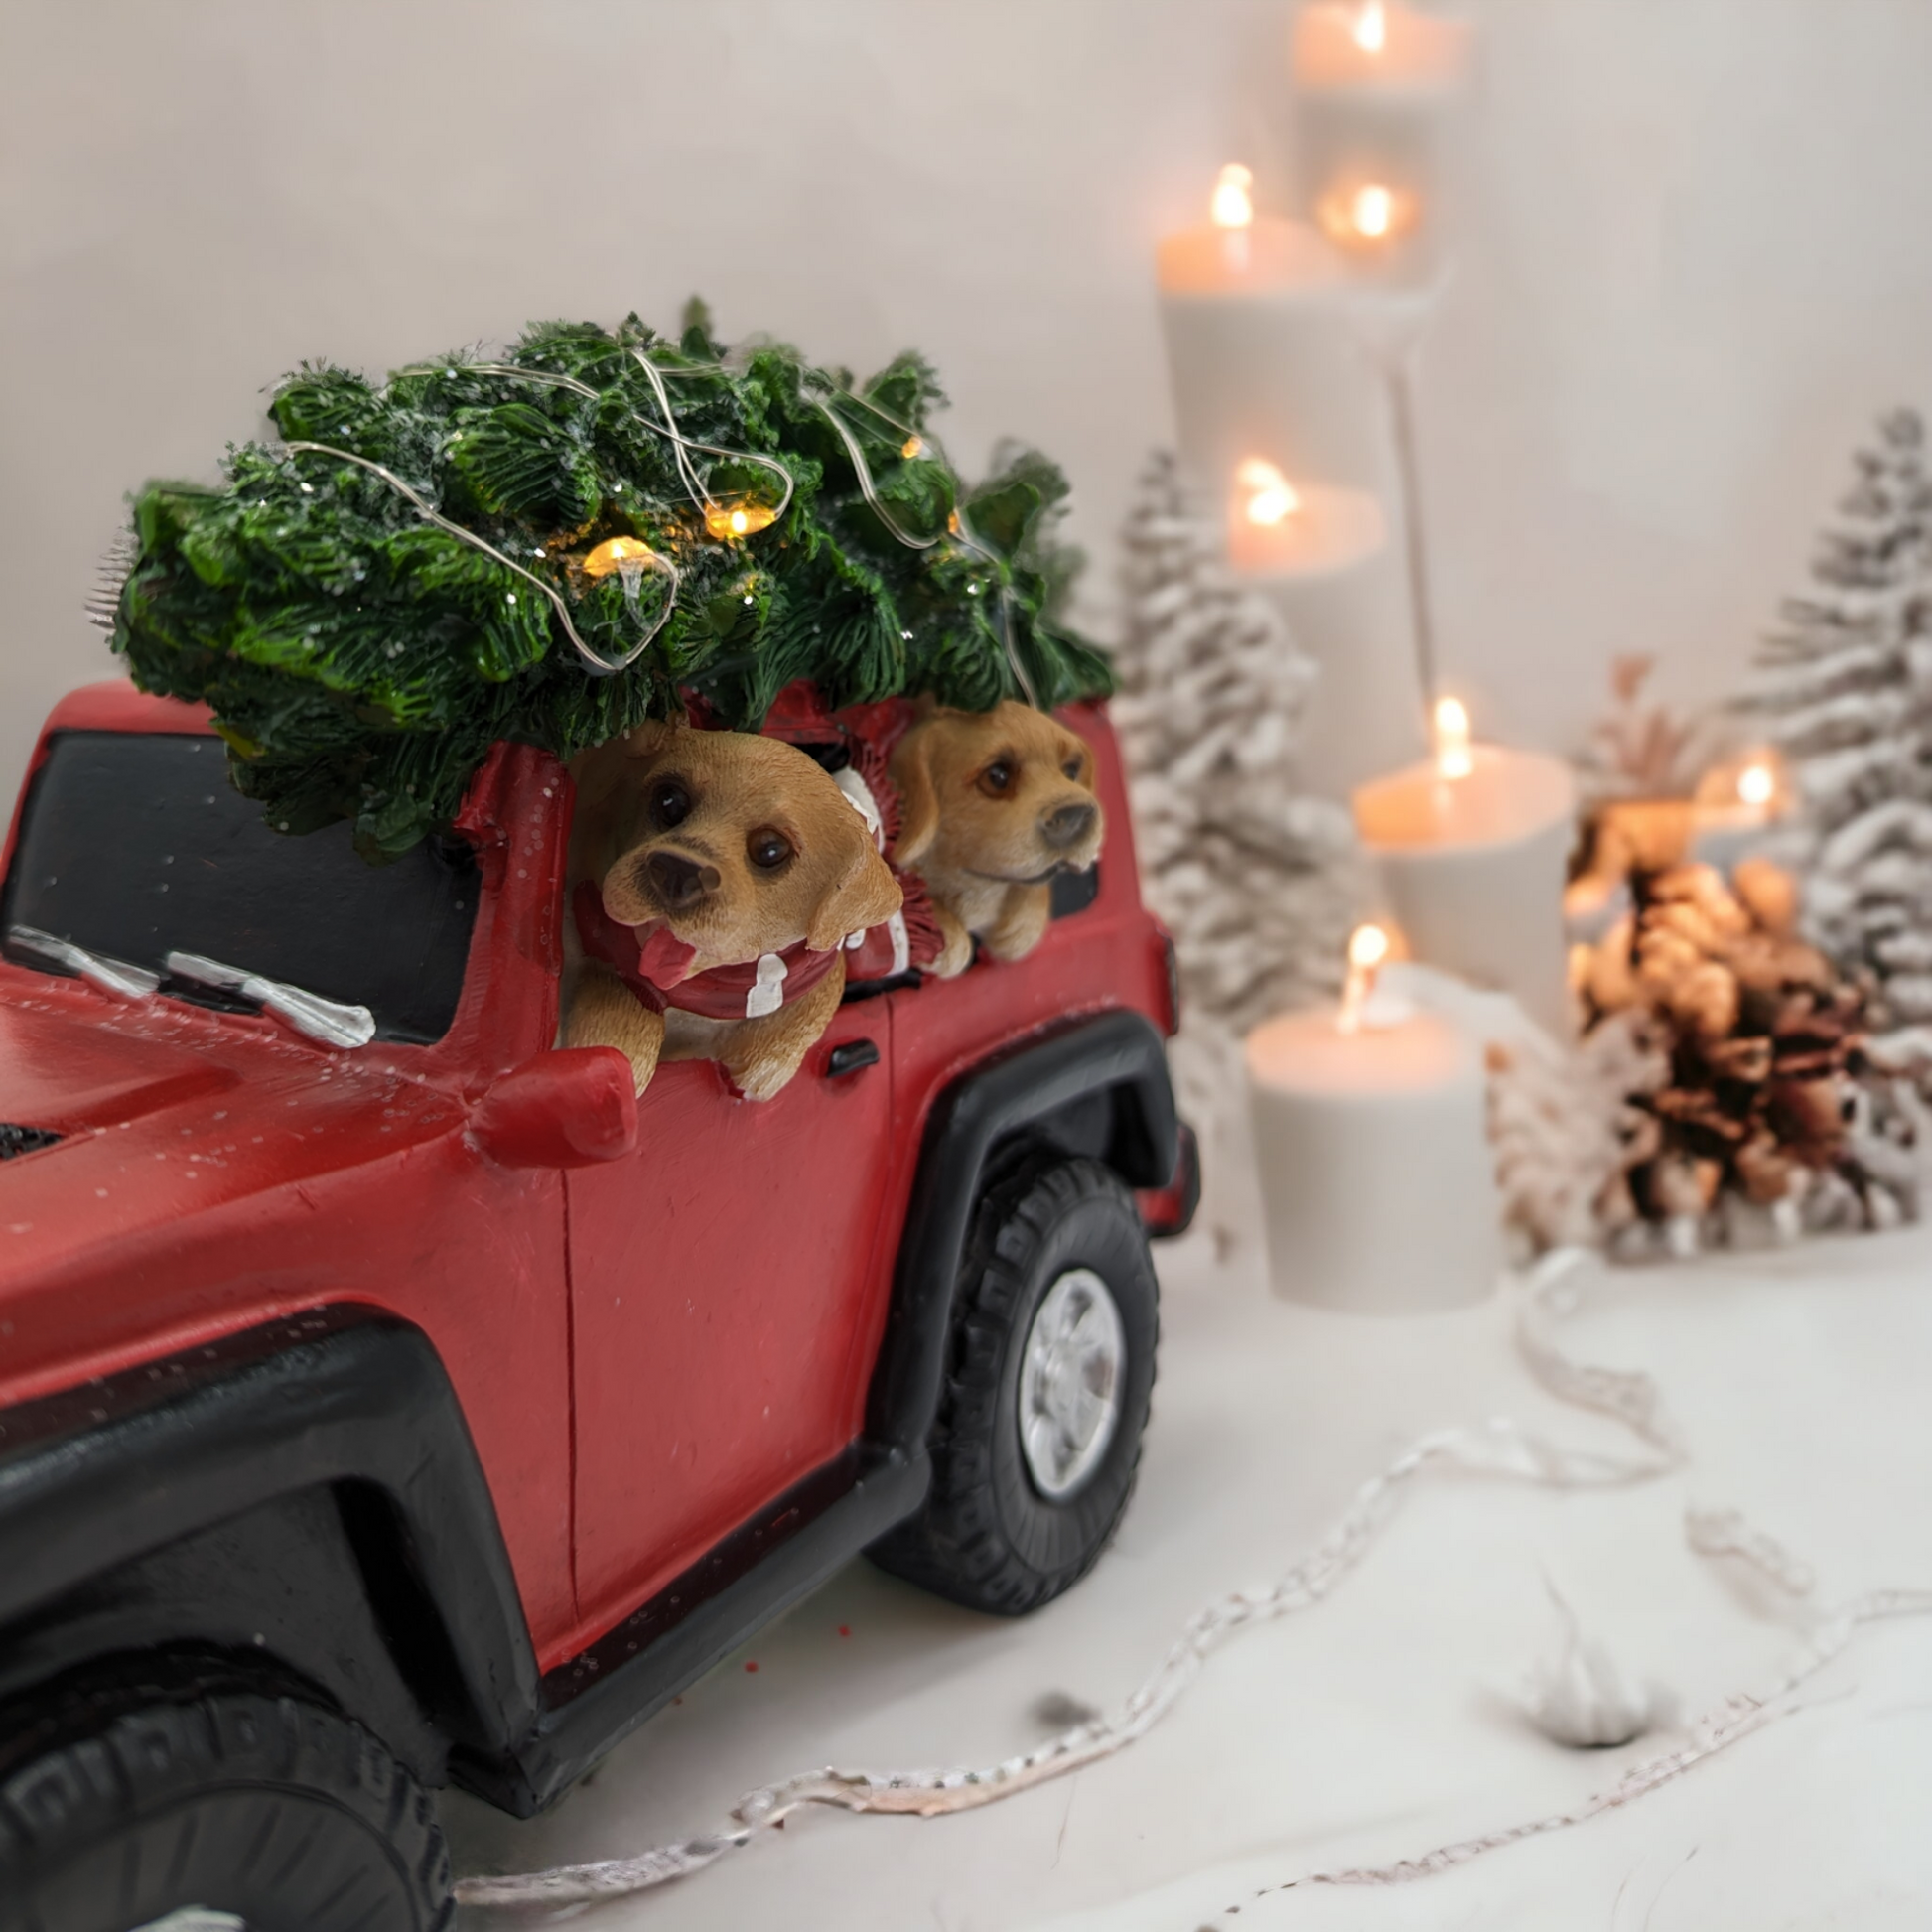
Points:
[[664, 958]]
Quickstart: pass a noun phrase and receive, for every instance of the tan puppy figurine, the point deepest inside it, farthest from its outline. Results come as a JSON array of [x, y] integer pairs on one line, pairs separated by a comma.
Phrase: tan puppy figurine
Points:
[[994, 803], [716, 877]]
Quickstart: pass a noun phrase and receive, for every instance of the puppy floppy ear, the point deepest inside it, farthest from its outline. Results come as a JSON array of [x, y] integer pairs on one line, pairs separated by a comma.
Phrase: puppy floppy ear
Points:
[[918, 803], [867, 896]]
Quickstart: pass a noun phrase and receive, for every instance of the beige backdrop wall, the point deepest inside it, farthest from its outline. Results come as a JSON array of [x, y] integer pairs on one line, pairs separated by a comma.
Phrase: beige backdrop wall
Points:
[[1699, 256]]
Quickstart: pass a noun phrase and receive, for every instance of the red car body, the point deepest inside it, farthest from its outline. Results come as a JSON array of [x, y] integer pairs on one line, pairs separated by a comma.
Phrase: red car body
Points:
[[649, 1344]]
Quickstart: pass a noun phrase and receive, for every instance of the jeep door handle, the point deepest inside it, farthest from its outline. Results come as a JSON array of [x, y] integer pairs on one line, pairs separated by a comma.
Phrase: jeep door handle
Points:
[[850, 1056]]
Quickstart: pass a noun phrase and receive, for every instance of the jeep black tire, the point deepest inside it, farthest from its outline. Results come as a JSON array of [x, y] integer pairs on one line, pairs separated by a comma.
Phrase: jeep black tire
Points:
[[1008, 1525], [115, 1812]]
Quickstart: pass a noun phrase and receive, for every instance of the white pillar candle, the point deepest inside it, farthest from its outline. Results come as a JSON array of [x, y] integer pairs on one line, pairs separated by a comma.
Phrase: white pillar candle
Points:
[[1375, 81], [1262, 349], [1321, 554], [1472, 847], [1377, 1182]]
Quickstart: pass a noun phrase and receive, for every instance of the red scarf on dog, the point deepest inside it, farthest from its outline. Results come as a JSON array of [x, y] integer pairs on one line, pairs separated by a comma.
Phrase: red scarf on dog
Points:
[[656, 966]]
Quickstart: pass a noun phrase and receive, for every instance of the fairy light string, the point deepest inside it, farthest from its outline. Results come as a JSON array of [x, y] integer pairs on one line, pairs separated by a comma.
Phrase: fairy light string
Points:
[[917, 443], [1500, 1448], [598, 665], [720, 521]]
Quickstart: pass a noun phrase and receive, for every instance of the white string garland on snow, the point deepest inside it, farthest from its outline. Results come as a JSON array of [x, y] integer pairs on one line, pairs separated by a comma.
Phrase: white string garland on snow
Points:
[[1500, 1447]]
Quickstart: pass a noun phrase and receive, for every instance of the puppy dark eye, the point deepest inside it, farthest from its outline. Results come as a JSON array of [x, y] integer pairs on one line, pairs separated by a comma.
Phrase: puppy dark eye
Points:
[[670, 804], [767, 849], [1073, 766], [997, 780]]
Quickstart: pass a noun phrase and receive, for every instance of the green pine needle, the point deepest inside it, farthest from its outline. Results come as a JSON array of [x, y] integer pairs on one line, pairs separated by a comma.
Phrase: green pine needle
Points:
[[360, 660]]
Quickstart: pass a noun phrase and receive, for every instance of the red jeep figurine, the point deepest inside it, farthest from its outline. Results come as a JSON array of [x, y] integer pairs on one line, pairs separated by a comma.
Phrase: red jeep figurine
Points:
[[379, 1411]]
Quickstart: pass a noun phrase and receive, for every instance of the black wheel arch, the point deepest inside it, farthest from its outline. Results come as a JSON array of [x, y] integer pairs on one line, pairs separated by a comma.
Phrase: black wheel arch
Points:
[[303, 1498], [312, 1481], [1097, 1088]]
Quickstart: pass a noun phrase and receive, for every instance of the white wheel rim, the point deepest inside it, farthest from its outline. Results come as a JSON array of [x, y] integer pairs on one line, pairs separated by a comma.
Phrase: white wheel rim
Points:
[[1069, 1383]]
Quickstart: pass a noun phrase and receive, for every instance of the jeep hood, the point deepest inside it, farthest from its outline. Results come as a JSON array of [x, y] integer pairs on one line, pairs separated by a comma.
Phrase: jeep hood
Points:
[[181, 1133], [65, 1073]]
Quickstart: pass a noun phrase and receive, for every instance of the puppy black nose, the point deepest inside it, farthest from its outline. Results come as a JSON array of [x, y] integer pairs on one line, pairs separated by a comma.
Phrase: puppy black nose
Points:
[[1066, 825], [679, 882]]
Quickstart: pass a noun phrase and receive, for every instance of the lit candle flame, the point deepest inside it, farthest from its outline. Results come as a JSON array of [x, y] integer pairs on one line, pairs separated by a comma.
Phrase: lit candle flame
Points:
[[1453, 758], [1371, 27], [1366, 212], [1368, 947], [1232, 206], [1757, 784], [1373, 211], [1269, 496]]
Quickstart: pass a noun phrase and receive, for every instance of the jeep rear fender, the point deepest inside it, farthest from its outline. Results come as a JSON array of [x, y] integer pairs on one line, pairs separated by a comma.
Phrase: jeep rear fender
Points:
[[1118, 1056]]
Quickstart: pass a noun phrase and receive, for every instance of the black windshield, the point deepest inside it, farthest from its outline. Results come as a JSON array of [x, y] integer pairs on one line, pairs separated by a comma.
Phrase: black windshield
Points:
[[136, 845]]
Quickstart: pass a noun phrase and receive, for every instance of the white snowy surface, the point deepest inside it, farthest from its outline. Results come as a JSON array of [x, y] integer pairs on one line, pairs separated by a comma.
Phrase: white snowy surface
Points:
[[1379, 1724]]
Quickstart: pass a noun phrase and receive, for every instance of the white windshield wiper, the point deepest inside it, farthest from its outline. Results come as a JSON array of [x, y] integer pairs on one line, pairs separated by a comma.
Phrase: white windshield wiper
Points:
[[307, 1013], [113, 976]]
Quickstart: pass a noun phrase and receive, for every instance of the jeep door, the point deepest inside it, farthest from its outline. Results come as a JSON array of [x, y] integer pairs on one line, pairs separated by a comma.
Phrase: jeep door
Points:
[[719, 1289]]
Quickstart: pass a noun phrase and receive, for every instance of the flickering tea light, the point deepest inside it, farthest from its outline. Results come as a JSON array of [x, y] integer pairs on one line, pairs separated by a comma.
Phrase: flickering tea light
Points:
[[1231, 207], [1377, 1183], [1449, 727], [1266, 496], [1381, 46], [1366, 216], [1737, 809], [1281, 530], [1472, 846], [1368, 947], [1241, 253]]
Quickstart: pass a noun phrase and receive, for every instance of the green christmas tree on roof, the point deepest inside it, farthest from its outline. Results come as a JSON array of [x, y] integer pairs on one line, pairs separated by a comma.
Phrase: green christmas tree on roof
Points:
[[597, 529]]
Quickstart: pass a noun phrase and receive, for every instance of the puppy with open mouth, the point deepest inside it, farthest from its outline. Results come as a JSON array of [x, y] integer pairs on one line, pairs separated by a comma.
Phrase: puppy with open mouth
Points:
[[717, 877], [994, 804]]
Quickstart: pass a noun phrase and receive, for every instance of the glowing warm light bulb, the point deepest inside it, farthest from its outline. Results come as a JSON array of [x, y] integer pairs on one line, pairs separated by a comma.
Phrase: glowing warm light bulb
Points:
[[1453, 758], [1232, 206], [1757, 784], [1368, 947], [911, 447], [738, 519], [1267, 496], [625, 554], [1371, 28]]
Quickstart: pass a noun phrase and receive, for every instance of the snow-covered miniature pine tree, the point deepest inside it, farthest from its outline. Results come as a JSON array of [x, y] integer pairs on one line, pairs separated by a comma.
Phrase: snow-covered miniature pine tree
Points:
[[1844, 689], [1258, 882], [1562, 1120]]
